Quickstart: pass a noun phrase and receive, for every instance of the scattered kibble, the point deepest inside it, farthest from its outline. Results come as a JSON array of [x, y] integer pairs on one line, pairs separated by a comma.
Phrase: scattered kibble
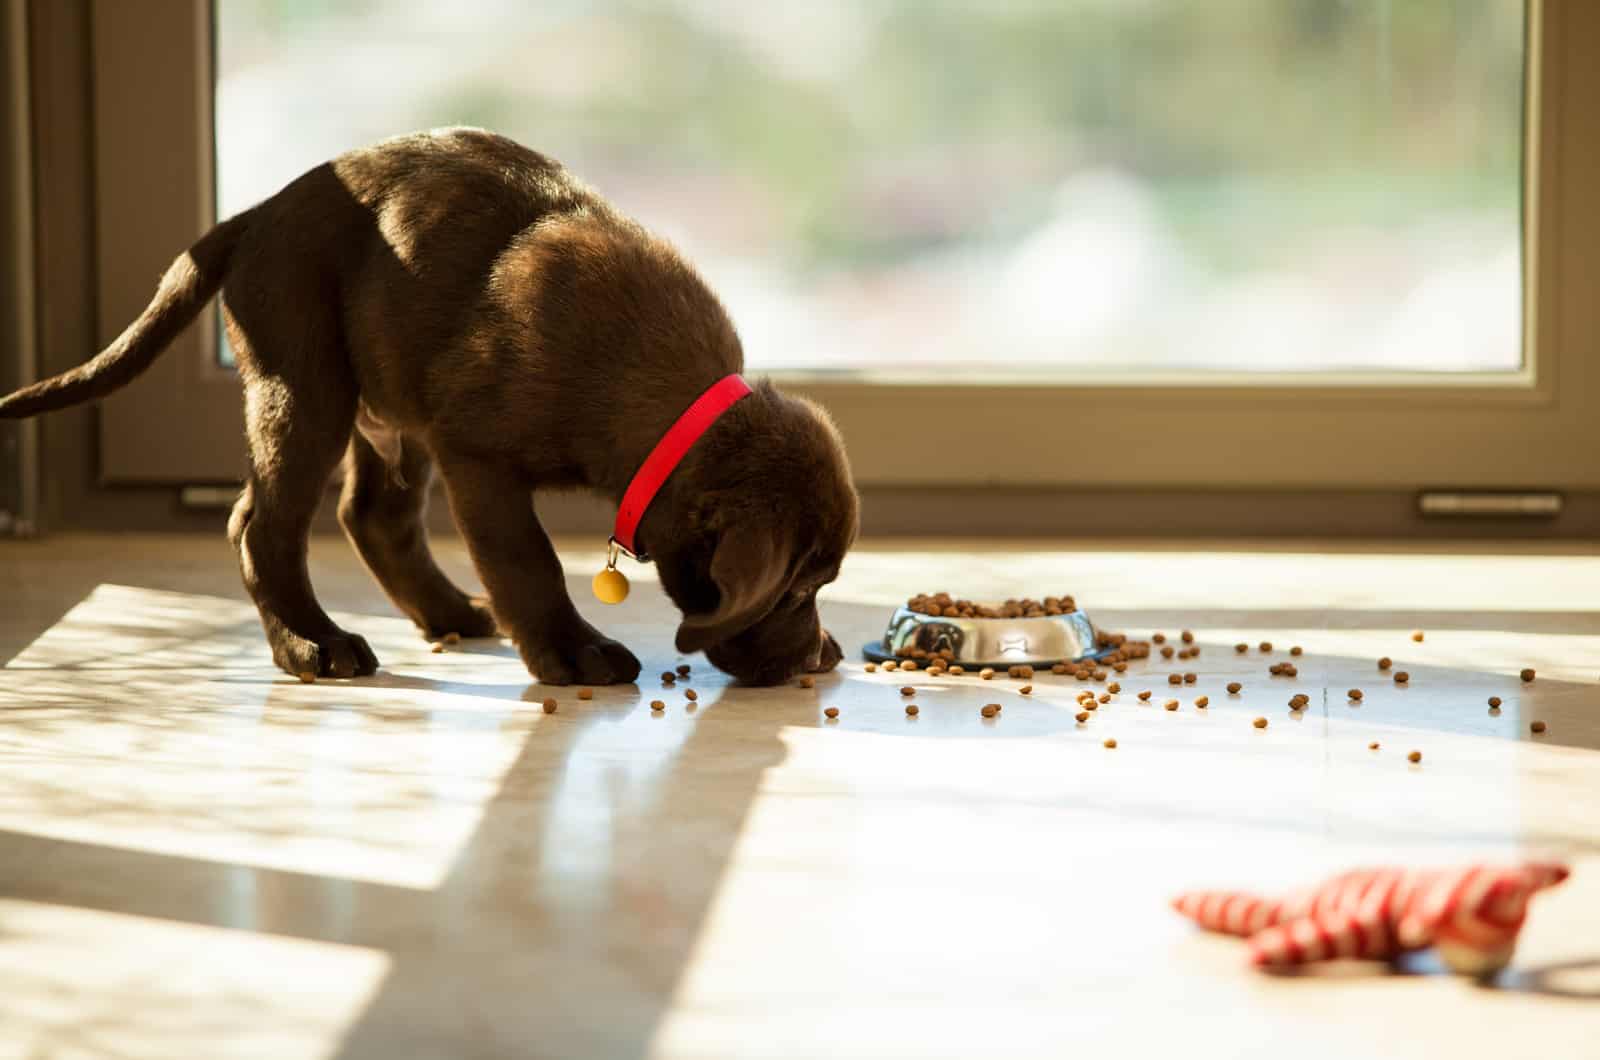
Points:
[[1233, 688], [1417, 636], [891, 666], [1167, 651], [1355, 694], [1260, 723], [438, 647], [1528, 675], [1025, 690], [585, 693], [990, 710], [1241, 648], [1082, 716], [907, 690], [1494, 702], [1537, 726], [549, 706], [1113, 688], [668, 677], [684, 669], [1158, 638], [690, 694], [832, 712], [1203, 702], [1120, 667], [658, 704], [911, 710], [1144, 695], [1297, 650], [908, 664], [1297, 702], [452, 638], [1266, 646], [1174, 679], [1110, 743], [808, 682], [1385, 662], [1373, 746], [871, 668], [1414, 757], [1191, 678], [1186, 636], [1020, 672], [1105, 697], [987, 673], [957, 671], [1171, 704], [1401, 677]]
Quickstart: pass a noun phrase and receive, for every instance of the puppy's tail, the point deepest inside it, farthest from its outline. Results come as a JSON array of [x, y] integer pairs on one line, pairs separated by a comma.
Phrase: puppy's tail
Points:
[[188, 285]]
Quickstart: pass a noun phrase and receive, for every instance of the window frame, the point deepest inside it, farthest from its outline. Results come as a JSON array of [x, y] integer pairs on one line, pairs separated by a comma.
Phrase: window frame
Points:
[[1532, 428]]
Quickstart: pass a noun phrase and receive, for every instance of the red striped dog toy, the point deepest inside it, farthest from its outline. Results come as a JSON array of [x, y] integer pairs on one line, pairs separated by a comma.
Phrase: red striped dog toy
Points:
[[1471, 914]]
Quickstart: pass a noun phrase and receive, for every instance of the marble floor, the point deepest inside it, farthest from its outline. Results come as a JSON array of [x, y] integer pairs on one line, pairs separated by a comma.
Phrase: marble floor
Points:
[[200, 857]]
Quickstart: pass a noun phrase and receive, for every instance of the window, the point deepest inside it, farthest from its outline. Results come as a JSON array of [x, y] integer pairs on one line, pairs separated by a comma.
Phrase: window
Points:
[[1000, 191]]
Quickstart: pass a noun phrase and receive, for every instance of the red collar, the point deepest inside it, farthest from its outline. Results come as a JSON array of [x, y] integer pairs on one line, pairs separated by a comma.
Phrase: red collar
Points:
[[652, 474]]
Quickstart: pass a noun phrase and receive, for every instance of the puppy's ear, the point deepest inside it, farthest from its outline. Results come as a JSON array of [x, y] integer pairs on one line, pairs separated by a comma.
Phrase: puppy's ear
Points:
[[751, 568]]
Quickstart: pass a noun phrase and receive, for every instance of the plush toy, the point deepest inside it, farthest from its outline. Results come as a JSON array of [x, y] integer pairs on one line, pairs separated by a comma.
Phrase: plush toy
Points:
[[1471, 915]]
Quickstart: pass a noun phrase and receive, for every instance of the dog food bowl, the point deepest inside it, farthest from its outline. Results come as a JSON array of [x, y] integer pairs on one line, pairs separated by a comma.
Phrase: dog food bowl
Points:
[[997, 642]]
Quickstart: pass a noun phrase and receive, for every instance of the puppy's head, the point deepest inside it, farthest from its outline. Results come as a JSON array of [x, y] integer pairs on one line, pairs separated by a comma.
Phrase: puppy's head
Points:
[[760, 522]]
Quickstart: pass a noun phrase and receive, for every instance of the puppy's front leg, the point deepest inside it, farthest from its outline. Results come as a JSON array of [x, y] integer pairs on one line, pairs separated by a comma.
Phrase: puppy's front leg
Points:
[[493, 506]]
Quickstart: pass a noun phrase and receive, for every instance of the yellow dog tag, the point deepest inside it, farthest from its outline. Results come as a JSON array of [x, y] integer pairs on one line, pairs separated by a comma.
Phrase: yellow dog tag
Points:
[[611, 585]]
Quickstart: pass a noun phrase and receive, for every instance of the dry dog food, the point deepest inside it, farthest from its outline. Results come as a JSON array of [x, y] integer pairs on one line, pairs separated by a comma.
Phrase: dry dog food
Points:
[[1373, 746], [690, 694], [1020, 671], [1355, 694], [1190, 679], [307, 677], [1414, 757], [957, 671], [1187, 637], [549, 706], [832, 712], [1105, 697], [1082, 716], [1417, 636], [943, 605], [1174, 679], [1171, 704], [1266, 646], [1297, 650], [1537, 726], [668, 677], [1233, 688], [437, 647], [907, 690], [911, 710], [1299, 700], [1494, 701], [871, 668], [909, 665], [1167, 651], [1284, 669], [1401, 677], [808, 682], [1260, 723], [684, 669], [1158, 638], [1528, 675], [1112, 744], [1203, 702], [585, 693], [1385, 662], [452, 638], [989, 710], [1241, 648], [987, 673], [1025, 690], [1144, 695], [657, 704], [1113, 688]]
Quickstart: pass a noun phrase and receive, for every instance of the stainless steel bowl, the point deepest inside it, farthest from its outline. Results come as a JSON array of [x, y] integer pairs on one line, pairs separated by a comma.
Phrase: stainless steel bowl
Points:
[[990, 641]]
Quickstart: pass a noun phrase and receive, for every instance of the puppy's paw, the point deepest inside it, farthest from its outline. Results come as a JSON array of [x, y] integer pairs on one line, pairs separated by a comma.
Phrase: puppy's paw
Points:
[[336, 654], [582, 657], [467, 618]]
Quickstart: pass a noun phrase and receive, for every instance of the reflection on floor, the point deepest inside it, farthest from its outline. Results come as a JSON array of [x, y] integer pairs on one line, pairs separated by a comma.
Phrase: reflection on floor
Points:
[[201, 857]]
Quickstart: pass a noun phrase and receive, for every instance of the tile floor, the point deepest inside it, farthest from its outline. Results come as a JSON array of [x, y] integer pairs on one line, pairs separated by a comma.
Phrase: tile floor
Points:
[[200, 857]]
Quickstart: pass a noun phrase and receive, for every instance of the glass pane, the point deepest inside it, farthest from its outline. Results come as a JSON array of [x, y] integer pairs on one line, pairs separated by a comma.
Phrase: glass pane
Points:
[[1020, 188]]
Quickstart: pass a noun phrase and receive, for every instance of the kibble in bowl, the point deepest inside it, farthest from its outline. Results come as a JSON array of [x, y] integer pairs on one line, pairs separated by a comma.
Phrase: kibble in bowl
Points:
[[957, 635]]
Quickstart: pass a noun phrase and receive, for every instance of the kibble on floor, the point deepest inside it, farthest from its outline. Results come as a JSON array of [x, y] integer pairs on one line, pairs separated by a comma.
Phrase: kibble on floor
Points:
[[585, 693]]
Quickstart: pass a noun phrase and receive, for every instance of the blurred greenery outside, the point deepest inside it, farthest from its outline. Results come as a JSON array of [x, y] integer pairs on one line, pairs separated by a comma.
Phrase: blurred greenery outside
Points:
[[867, 160]]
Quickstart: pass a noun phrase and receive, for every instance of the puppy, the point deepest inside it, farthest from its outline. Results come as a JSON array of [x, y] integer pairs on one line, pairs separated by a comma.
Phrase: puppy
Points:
[[454, 300]]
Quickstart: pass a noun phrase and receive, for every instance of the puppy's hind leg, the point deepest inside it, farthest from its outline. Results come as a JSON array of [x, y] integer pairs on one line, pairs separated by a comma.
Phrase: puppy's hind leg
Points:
[[382, 509], [295, 435]]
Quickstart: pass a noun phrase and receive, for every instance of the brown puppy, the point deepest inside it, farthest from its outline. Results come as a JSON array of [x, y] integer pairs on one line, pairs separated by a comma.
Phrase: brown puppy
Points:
[[454, 298]]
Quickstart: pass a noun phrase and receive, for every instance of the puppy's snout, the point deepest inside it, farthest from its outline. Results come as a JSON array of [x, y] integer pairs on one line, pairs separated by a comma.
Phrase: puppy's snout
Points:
[[827, 655]]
